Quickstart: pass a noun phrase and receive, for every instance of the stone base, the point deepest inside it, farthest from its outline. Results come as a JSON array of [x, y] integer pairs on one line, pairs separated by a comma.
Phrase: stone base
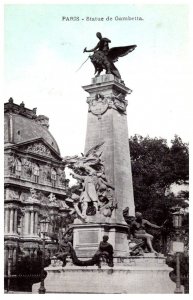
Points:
[[86, 238], [145, 275]]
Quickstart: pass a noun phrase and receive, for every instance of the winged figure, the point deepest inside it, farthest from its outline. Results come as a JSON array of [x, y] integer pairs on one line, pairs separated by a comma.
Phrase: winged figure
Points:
[[104, 58], [88, 162]]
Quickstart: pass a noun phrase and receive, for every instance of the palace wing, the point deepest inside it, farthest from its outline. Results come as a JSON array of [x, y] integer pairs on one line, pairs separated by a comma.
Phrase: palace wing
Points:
[[116, 52]]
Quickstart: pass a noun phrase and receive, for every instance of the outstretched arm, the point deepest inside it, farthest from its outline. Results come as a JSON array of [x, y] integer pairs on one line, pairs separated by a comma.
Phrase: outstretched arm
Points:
[[91, 50], [152, 225]]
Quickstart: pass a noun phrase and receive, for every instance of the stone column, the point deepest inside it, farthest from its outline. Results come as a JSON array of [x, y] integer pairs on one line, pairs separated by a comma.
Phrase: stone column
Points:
[[8, 220], [11, 220], [15, 221], [32, 223], [36, 223], [5, 259], [29, 222], [26, 222], [6, 225]]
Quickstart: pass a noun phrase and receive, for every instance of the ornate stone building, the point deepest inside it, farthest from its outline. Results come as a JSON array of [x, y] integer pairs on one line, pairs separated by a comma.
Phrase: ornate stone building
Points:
[[35, 181]]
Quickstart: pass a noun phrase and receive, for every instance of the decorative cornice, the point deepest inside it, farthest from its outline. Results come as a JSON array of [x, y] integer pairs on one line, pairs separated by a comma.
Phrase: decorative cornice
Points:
[[106, 82]]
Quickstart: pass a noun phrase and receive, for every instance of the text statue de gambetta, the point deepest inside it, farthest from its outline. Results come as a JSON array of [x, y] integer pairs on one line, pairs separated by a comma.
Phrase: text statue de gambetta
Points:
[[104, 58]]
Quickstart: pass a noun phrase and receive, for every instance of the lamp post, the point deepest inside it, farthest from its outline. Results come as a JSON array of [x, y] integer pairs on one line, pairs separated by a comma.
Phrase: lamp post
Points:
[[9, 273], [178, 247], [44, 223]]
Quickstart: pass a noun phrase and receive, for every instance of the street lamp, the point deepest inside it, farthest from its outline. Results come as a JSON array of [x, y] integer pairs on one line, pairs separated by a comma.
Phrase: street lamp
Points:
[[44, 224], [178, 247], [9, 273], [177, 219]]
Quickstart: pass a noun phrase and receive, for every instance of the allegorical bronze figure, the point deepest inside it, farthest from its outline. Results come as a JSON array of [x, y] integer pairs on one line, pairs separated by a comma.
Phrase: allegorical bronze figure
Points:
[[103, 58], [138, 229]]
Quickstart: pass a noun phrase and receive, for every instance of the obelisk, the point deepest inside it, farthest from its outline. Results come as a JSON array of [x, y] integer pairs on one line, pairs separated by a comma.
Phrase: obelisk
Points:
[[107, 122]]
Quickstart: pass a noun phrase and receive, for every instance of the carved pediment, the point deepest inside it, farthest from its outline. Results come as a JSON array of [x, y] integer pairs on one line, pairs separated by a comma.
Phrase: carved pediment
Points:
[[39, 147]]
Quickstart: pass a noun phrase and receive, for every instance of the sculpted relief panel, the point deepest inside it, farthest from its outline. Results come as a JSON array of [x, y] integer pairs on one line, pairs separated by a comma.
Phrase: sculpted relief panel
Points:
[[39, 148], [100, 103]]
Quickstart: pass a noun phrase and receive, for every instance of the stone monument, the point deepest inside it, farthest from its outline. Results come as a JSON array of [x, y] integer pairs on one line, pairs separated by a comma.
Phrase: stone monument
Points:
[[107, 125], [104, 191]]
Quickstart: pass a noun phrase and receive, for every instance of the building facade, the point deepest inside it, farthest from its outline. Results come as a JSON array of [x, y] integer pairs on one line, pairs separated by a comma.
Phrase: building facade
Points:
[[35, 181]]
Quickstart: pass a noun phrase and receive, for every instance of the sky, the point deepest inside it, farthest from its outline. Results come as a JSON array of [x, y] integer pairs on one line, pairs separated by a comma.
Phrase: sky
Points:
[[42, 53]]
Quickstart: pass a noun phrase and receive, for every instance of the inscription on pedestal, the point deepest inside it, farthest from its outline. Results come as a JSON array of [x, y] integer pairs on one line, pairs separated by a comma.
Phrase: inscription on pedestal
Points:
[[88, 237]]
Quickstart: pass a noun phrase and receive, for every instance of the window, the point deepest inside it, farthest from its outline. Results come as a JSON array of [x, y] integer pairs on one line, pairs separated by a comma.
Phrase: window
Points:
[[53, 177], [18, 167], [36, 173]]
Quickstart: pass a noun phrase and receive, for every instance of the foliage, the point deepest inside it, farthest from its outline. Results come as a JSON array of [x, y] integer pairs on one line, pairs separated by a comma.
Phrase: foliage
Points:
[[155, 166]]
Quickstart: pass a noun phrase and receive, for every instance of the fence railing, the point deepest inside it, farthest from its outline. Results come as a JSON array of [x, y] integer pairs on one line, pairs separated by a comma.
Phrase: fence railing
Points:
[[19, 276]]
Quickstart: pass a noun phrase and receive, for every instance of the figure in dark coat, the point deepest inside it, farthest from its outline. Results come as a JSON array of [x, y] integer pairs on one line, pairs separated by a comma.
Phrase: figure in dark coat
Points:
[[106, 250]]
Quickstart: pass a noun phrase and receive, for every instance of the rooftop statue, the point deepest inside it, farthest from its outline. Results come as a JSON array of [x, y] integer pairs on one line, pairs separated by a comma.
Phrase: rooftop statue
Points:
[[103, 58]]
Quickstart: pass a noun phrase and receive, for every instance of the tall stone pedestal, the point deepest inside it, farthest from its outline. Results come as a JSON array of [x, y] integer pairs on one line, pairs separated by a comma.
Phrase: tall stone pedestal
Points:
[[144, 275], [107, 122]]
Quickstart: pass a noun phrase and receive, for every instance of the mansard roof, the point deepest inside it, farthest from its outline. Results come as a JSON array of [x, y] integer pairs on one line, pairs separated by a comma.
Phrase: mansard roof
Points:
[[22, 125]]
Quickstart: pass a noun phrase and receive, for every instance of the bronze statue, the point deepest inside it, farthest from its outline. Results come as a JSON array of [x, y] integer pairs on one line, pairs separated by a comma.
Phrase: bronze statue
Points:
[[105, 251], [104, 58], [65, 248], [138, 229]]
